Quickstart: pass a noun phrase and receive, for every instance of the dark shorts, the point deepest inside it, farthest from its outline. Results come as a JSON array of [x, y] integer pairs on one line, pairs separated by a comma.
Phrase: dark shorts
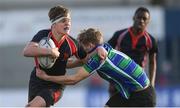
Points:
[[144, 98], [49, 92]]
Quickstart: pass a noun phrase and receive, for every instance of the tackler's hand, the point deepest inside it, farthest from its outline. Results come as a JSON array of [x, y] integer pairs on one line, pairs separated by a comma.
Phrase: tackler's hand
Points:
[[102, 52], [41, 74]]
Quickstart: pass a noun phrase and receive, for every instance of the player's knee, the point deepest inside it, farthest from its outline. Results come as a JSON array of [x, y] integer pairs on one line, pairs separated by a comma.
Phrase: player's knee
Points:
[[31, 105]]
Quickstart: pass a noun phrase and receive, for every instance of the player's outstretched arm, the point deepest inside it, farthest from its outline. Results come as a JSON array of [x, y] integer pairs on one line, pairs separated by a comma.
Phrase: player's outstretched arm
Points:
[[65, 79], [74, 63], [79, 62]]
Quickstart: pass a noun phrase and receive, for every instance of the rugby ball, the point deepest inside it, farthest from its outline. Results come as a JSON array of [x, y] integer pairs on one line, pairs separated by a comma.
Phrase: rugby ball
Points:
[[46, 61]]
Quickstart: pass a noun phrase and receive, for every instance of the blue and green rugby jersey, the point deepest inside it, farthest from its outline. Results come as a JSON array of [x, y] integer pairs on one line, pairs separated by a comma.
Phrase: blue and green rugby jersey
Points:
[[119, 69]]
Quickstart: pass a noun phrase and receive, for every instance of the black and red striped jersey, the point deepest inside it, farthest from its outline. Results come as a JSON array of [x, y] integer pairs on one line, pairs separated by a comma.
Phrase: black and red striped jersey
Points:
[[135, 46], [68, 47]]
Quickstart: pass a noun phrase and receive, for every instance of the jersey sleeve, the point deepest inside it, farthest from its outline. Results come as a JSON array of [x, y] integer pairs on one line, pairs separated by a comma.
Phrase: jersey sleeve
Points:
[[40, 35], [76, 49], [114, 39], [93, 63], [154, 48]]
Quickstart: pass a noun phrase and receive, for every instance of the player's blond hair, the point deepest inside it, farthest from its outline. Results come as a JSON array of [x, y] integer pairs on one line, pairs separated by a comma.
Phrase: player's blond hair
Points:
[[90, 35]]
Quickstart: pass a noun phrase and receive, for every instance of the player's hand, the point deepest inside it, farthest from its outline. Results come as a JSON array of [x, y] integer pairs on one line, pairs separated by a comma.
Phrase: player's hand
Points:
[[41, 74], [55, 52], [102, 53]]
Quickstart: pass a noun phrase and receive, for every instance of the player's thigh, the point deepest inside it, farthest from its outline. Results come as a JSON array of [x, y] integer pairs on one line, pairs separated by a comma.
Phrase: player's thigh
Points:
[[38, 101], [44, 93], [145, 98]]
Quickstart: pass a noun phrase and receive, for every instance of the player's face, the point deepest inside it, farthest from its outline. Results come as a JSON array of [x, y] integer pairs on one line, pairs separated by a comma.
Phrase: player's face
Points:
[[141, 20], [88, 47], [63, 26]]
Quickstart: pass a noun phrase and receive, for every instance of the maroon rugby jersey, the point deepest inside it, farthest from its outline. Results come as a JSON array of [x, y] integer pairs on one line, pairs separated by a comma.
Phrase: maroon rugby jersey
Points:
[[136, 47]]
